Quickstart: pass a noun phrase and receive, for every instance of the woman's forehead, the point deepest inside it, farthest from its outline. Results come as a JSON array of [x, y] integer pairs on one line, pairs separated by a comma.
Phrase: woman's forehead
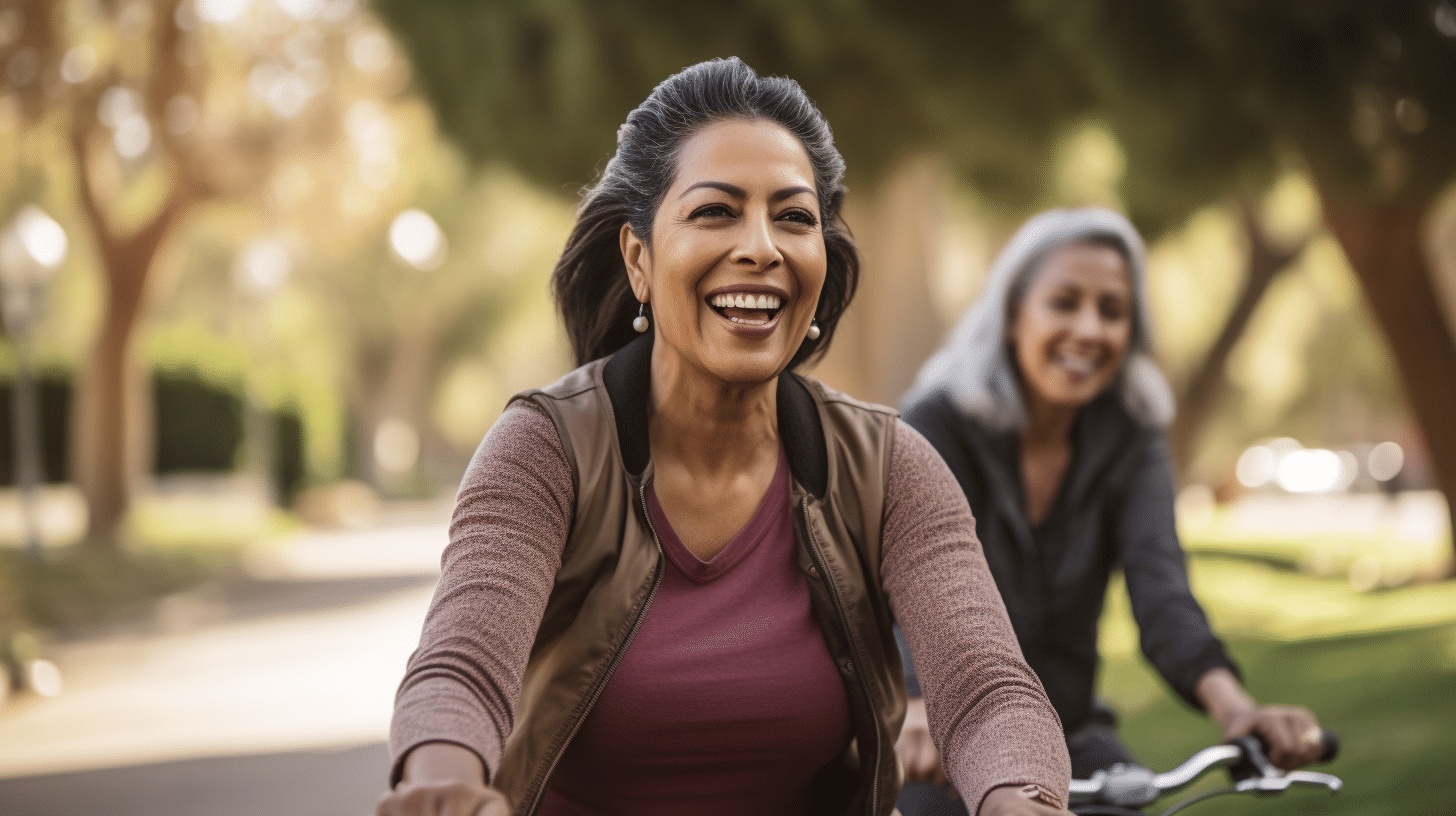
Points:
[[743, 150], [1084, 263]]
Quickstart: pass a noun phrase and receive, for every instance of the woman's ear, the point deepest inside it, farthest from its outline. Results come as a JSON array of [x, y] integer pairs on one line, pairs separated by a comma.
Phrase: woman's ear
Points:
[[635, 258]]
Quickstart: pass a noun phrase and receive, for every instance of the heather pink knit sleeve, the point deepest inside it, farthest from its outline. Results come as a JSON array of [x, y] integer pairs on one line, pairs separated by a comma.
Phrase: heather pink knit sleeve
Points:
[[988, 713], [511, 520]]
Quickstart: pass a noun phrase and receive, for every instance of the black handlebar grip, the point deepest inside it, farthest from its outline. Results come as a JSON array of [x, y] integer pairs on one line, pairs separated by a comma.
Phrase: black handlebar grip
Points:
[[1329, 745]]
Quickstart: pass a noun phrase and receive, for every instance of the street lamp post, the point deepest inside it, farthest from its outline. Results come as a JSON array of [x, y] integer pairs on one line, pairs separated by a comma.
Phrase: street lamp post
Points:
[[32, 247], [262, 268]]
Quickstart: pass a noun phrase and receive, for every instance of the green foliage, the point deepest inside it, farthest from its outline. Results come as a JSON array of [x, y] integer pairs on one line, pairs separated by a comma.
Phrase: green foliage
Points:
[[1383, 687], [1203, 96], [1387, 695], [544, 85]]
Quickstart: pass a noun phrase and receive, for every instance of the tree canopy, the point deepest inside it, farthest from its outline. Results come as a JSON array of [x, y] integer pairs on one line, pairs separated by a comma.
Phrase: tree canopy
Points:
[[1204, 97], [1208, 101]]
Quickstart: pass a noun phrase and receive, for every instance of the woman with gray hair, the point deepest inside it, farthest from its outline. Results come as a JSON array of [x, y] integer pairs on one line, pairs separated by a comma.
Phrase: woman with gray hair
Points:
[[1048, 407]]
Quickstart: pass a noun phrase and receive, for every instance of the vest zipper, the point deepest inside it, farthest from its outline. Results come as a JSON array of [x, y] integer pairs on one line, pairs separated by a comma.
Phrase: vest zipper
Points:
[[859, 667], [616, 658]]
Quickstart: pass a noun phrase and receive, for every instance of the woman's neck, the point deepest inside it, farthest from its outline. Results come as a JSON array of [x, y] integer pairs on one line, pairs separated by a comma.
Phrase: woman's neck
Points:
[[709, 425], [1047, 425], [1046, 452]]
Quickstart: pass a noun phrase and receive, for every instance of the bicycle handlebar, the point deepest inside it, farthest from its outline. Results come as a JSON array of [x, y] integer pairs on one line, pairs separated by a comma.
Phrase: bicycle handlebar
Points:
[[1134, 786]]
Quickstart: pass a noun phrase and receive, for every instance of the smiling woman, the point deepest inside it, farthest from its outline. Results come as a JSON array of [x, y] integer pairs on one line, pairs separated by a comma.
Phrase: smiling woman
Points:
[[738, 227], [672, 573], [1046, 404]]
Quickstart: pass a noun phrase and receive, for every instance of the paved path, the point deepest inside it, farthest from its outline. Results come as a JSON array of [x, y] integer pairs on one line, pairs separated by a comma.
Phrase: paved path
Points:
[[266, 694]]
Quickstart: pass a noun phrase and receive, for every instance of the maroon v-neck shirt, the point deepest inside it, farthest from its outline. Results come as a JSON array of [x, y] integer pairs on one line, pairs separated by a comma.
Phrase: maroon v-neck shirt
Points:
[[727, 700]]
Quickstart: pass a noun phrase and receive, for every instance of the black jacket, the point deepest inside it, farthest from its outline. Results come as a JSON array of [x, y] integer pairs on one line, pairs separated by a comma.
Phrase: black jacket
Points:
[[1113, 510]]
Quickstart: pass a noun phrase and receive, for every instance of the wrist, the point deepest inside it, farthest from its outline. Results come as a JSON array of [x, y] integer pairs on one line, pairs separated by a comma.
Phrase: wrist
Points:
[[1225, 699], [443, 762], [1010, 796]]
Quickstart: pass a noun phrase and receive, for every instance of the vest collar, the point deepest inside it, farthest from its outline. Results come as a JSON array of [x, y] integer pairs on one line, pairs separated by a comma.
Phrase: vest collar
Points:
[[627, 376]]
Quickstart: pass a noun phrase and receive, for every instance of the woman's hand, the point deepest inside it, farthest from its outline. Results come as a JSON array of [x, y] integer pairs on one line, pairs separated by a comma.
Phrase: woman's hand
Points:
[[918, 757], [443, 779], [443, 799], [1008, 800], [1291, 733]]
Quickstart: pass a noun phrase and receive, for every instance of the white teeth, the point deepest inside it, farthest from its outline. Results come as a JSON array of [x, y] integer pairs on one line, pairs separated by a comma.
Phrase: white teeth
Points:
[[742, 301], [1078, 365]]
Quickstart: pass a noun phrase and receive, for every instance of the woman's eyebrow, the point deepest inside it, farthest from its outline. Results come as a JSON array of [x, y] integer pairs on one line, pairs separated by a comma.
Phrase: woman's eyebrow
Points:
[[738, 192], [731, 189]]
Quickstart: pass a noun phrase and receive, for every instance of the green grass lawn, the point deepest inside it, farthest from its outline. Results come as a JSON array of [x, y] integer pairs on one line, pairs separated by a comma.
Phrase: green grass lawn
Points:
[[1378, 668]]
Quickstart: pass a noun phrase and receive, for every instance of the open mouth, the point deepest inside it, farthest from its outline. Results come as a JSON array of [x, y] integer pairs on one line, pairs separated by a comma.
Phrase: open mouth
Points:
[[1077, 365], [747, 308]]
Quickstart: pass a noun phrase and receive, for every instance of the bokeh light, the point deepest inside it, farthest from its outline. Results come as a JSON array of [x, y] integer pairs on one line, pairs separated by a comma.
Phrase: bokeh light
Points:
[[221, 12], [265, 265], [396, 445], [79, 64], [1308, 471], [133, 136], [44, 678], [43, 240], [1385, 461], [370, 51], [1255, 467], [417, 240]]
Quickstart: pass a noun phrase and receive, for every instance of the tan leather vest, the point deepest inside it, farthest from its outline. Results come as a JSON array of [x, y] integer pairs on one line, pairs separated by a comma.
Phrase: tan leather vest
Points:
[[839, 454]]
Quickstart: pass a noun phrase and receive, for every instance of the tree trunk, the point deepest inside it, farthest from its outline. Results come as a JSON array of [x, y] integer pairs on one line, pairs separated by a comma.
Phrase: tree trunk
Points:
[[1205, 387], [1383, 244], [108, 428], [105, 445]]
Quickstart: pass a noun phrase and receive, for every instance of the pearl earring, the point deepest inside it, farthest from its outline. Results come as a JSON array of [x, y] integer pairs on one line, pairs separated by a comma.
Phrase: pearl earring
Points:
[[813, 329], [640, 321]]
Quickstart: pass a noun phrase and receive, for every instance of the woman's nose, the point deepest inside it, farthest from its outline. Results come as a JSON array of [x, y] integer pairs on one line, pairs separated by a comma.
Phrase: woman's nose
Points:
[[1088, 324], [756, 244]]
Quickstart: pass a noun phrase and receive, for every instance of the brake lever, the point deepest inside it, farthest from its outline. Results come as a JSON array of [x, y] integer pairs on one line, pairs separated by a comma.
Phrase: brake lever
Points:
[[1252, 764], [1278, 784]]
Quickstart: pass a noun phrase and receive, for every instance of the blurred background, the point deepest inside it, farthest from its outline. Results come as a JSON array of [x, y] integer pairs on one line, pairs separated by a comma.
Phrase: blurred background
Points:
[[271, 268]]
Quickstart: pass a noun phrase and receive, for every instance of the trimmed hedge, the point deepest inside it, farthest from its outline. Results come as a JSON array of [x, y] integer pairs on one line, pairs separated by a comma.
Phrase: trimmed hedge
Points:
[[199, 428]]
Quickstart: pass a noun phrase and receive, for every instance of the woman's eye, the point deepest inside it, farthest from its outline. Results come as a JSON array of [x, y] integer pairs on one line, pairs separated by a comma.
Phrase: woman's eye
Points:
[[712, 211], [801, 217], [1113, 311], [1064, 303]]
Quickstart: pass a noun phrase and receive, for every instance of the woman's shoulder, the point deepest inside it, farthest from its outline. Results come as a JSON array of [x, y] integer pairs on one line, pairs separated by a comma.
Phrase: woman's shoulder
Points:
[[523, 434], [1107, 423], [829, 395], [961, 438]]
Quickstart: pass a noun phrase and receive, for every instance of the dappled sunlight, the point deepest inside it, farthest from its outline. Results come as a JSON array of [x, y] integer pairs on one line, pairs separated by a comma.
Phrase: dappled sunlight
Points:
[[1263, 601], [1201, 263], [206, 511], [1407, 534], [60, 515]]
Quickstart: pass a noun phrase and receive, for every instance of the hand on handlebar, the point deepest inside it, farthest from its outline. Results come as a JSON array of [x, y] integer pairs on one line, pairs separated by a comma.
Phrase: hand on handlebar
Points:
[[441, 798], [1291, 734], [918, 756], [1008, 801], [443, 779]]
